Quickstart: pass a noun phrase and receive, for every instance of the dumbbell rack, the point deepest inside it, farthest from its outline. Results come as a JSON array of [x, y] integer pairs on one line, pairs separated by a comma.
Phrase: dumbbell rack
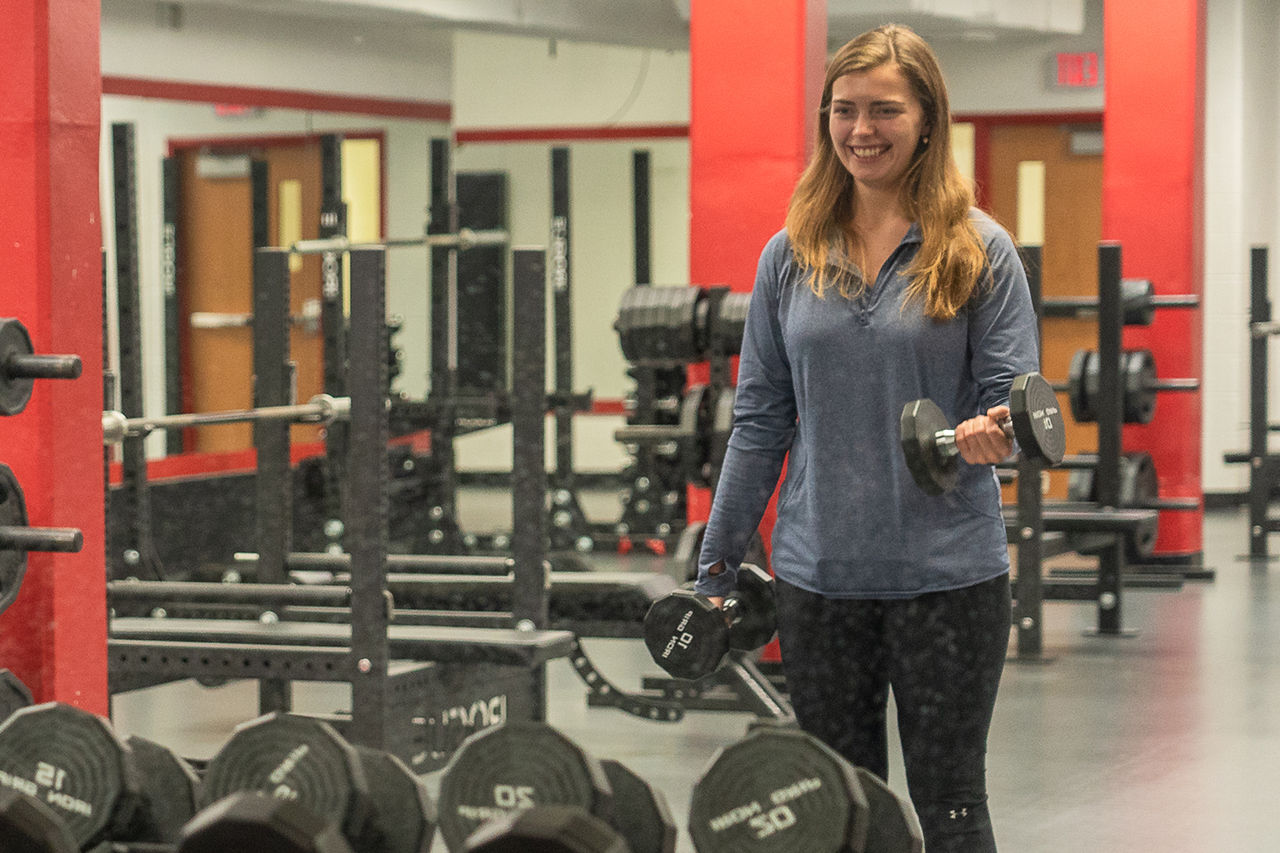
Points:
[[1264, 466]]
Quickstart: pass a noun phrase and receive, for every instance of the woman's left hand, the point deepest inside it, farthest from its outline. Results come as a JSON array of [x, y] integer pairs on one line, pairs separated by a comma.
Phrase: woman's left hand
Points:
[[981, 440]]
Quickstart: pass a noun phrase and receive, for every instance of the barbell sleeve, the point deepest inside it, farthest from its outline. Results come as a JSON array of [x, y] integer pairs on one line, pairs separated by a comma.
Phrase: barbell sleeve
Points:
[[63, 540], [43, 366]]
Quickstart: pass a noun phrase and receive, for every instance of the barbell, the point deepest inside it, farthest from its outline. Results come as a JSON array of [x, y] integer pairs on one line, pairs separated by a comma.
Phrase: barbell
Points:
[[322, 409]]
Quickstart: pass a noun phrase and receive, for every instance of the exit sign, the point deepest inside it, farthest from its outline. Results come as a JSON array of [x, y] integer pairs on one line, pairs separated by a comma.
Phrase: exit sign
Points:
[[1077, 70]]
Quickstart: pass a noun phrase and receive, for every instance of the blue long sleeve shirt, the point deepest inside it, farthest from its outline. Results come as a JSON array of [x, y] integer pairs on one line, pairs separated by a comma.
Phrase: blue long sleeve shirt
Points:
[[824, 380]]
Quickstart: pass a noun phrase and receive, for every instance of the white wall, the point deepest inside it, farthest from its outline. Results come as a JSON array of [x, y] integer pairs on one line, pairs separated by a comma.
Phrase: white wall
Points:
[[1242, 116]]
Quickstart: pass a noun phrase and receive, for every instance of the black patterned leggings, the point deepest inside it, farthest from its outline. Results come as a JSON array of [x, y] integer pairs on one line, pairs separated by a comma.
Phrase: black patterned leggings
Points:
[[942, 654]]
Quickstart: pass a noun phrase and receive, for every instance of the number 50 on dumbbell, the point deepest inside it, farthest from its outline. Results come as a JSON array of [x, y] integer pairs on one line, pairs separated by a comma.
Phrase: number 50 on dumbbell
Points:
[[688, 636]]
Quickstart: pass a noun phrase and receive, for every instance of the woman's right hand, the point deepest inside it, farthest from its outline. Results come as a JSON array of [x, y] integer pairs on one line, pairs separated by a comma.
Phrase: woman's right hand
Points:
[[717, 600]]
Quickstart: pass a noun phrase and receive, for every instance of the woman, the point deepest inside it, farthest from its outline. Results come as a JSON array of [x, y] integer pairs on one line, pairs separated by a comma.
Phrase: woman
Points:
[[885, 286]]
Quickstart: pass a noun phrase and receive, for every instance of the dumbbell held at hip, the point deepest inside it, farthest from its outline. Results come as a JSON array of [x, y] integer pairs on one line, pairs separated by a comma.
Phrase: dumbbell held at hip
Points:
[[929, 443], [688, 634]]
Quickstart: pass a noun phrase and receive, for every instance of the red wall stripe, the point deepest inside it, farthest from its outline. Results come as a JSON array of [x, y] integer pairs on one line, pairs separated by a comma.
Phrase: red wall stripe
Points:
[[1152, 204], [211, 93]]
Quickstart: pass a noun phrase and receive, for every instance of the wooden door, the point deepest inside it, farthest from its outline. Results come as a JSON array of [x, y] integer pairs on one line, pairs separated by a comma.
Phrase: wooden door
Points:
[[216, 239], [1062, 191]]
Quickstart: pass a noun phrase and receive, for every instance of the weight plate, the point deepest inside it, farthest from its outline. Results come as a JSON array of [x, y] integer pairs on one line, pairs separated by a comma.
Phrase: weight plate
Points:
[[170, 791], [730, 323], [1139, 487], [640, 812], [1037, 420], [686, 634], [547, 829], [1138, 378], [756, 619], [26, 824], [1136, 298], [13, 694], [72, 761], [15, 392], [721, 428], [516, 766], [252, 820], [295, 757], [404, 815], [893, 826], [778, 789], [13, 513], [919, 426]]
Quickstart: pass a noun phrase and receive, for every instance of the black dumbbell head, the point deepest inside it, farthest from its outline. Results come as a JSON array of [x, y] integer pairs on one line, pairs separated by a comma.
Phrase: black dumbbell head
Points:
[[778, 790], [26, 824], [546, 829], [686, 634], [934, 470], [404, 815], [755, 616], [254, 821], [516, 766], [292, 756], [893, 826], [14, 694], [170, 791], [1038, 424], [640, 811], [76, 764]]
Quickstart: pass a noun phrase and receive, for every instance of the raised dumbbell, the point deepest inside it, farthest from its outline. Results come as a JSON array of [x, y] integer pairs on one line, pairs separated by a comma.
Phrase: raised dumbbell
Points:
[[688, 636], [520, 765], [17, 538], [779, 790], [19, 366], [929, 441], [377, 803], [100, 786]]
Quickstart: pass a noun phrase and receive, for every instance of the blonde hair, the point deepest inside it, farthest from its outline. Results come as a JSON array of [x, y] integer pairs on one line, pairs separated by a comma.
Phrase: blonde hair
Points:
[[952, 258]]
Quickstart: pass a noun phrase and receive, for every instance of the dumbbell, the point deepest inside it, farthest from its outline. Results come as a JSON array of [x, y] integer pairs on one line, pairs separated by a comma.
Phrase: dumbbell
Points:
[[780, 789], [521, 765], [378, 804], [547, 829], [102, 788], [688, 636], [28, 825], [17, 538], [929, 441], [258, 822], [14, 694], [19, 366]]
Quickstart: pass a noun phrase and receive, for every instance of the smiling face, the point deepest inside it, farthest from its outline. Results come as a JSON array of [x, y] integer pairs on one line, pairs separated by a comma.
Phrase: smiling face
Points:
[[876, 124]]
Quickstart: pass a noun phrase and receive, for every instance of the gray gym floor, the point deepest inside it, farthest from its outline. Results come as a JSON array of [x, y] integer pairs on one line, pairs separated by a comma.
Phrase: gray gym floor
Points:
[[1165, 740]]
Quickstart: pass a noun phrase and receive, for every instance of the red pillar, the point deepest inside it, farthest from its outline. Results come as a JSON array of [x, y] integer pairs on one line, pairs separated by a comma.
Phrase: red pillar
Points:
[[755, 69], [1152, 203], [54, 635]]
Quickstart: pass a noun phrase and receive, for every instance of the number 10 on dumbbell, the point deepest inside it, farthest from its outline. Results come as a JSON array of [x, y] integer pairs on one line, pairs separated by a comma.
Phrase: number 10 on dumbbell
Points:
[[688, 636]]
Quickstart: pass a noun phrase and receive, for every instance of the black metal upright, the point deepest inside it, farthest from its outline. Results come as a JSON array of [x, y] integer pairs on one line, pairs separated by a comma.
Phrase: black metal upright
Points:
[[1110, 408], [1029, 612], [135, 554], [273, 383], [1262, 466], [528, 471], [169, 275], [368, 483], [333, 322], [443, 339]]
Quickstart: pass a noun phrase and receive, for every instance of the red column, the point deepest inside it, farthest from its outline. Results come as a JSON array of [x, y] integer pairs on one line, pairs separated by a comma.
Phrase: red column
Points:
[[54, 635], [755, 69], [1152, 203]]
